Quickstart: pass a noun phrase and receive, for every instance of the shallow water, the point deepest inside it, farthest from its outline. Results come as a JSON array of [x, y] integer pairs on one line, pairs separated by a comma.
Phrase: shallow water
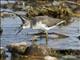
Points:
[[10, 27]]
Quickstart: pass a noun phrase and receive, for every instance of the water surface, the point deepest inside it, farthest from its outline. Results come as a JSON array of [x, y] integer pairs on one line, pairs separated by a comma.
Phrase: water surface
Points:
[[10, 27]]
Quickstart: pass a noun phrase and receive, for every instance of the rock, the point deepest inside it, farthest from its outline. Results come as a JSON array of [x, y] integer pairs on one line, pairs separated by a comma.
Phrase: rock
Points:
[[1, 50], [24, 48], [37, 50], [1, 14], [50, 58], [32, 52], [17, 47], [69, 57], [2, 53]]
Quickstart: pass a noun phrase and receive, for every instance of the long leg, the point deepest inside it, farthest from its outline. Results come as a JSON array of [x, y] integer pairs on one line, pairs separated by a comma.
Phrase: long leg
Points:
[[40, 31], [46, 32], [46, 37]]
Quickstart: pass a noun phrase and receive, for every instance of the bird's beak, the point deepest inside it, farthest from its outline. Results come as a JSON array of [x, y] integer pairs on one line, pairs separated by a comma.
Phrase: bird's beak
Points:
[[20, 29]]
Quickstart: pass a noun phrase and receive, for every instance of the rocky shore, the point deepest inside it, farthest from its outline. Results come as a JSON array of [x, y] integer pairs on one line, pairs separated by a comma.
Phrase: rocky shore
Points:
[[27, 51]]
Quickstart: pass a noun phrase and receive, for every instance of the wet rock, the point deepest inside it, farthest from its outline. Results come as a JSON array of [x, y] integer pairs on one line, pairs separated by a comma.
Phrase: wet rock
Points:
[[32, 52], [50, 58], [1, 50], [69, 57], [3, 15], [25, 49], [37, 50], [2, 53], [17, 47]]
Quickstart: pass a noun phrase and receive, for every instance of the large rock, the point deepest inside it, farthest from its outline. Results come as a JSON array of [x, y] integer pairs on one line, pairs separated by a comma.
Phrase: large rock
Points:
[[34, 52], [37, 50], [28, 50], [50, 58], [23, 51], [17, 47]]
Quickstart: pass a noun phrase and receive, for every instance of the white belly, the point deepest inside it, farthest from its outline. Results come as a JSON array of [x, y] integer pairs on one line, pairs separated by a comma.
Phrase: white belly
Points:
[[41, 26]]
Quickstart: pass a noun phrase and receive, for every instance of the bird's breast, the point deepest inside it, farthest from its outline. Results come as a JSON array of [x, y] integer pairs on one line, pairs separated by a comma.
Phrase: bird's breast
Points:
[[39, 25]]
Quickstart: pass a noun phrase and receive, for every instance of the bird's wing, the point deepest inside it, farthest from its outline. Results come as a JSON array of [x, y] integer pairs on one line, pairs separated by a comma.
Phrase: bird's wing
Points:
[[49, 21]]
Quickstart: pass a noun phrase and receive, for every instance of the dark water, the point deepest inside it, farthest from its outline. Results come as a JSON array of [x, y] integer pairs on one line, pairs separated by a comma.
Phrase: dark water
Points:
[[10, 27]]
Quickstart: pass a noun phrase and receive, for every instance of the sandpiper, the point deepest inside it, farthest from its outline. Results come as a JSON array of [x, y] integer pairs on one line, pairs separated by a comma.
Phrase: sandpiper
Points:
[[41, 23]]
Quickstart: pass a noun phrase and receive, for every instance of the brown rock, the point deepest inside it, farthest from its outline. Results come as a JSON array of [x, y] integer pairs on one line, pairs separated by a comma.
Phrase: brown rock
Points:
[[17, 47], [37, 50]]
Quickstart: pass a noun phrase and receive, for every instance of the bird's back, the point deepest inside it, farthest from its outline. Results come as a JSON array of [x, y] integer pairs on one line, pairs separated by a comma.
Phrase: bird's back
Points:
[[49, 21]]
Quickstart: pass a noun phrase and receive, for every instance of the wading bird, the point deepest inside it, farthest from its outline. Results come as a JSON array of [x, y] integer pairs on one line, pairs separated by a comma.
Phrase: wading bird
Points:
[[41, 23]]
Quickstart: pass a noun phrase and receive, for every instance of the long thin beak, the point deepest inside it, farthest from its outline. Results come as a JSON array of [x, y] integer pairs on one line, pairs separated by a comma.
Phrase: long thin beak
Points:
[[20, 29]]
